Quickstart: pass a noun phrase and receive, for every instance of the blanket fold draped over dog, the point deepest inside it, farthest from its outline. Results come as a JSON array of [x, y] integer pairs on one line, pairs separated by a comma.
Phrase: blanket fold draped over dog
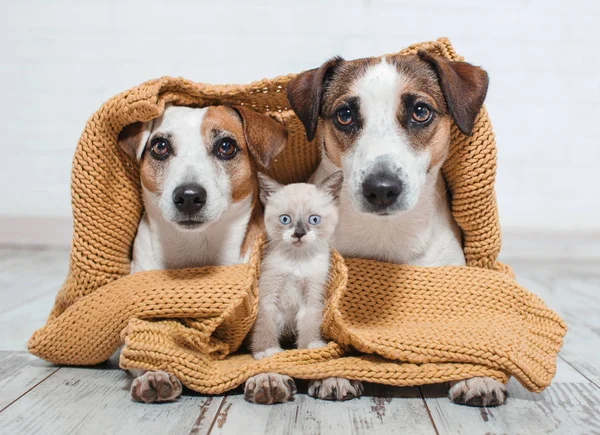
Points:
[[390, 324]]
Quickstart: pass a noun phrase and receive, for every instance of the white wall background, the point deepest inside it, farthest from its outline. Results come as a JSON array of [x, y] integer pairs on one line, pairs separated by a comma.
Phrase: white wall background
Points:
[[61, 59]]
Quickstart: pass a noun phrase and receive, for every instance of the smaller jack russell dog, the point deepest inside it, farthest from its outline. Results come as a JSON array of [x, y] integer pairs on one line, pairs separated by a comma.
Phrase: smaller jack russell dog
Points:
[[386, 123], [198, 170], [300, 220]]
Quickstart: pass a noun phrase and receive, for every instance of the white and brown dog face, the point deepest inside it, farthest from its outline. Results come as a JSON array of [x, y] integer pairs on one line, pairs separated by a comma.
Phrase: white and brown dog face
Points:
[[386, 121], [196, 162]]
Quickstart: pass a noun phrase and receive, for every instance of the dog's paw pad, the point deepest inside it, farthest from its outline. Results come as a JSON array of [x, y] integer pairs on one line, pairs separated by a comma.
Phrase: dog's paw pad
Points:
[[335, 389], [269, 388], [154, 387], [478, 392]]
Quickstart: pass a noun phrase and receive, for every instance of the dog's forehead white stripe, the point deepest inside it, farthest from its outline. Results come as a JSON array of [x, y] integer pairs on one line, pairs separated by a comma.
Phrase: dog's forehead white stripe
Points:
[[191, 161], [182, 123], [378, 91], [180, 119]]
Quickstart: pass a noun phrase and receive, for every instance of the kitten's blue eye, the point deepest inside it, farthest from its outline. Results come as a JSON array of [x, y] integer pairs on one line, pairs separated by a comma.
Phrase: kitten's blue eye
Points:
[[285, 219], [314, 219]]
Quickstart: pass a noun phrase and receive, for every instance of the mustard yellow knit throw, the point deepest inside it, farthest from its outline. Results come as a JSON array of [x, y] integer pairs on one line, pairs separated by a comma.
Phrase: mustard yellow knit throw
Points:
[[390, 324]]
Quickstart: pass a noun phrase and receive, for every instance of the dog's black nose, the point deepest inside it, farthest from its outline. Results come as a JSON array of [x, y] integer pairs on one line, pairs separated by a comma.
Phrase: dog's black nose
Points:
[[382, 189], [189, 198]]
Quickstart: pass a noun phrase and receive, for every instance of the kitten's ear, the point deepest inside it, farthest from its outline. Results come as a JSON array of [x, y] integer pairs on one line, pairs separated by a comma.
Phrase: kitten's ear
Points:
[[268, 187], [333, 184]]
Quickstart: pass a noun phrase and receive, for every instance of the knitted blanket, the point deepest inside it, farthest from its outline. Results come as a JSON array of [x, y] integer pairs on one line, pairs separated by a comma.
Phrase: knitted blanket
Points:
[[390, 324]]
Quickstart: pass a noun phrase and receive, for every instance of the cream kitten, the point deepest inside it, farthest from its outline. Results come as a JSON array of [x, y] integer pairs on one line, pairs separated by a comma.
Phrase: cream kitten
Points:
[[300, 219]]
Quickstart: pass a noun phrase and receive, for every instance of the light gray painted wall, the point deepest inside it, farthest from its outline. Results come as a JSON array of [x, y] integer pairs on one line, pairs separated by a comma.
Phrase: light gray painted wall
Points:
[[61, 60]]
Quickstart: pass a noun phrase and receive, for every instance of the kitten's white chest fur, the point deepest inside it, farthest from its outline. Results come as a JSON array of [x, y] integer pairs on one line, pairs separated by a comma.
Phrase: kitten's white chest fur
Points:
[[293, 283], [311, 266], [291, 301]]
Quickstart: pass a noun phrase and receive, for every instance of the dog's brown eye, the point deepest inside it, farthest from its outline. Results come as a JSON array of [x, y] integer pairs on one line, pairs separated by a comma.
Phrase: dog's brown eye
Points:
[[421, 113], [226, 148], [160, 148], [344, 116]]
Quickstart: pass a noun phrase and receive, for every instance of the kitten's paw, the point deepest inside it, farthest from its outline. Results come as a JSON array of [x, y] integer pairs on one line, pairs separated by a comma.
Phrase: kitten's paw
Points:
[[335, 389], [269, 388], [152, 387], [315, 344], [478, 392], [267, 352]]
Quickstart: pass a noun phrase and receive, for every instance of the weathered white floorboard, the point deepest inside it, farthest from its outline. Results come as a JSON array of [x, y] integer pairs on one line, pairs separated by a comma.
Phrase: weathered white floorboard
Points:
[[573, 291], [19, 373], [96, 401], [380, 411], [569, 406], [37, 398]]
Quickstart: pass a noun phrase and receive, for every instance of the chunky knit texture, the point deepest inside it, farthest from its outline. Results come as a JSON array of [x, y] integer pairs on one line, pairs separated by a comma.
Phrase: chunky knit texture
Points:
[[391, 324]]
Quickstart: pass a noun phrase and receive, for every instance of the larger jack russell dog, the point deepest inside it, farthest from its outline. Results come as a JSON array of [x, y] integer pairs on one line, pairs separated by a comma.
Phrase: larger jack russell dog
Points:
[[386, 123]]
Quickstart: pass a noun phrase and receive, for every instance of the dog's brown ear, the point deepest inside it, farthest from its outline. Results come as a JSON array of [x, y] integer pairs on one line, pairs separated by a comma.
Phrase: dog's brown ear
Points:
[[305, 94], [464, 87], [265, 136], [133, 136]]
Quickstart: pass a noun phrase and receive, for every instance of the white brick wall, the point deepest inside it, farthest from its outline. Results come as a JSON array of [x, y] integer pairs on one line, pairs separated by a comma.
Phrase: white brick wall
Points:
[[61, 60]]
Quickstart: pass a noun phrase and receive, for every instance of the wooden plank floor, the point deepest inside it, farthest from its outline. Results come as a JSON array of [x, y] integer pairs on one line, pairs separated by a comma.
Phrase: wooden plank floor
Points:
[[36, 397]]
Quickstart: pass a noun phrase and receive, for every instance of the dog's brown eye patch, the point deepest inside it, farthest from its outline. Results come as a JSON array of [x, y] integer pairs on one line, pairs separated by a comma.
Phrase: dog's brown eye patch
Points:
[[160, 148]]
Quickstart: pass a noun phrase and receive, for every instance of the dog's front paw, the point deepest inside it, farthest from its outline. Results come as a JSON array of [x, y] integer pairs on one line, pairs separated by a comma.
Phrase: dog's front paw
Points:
[[152, 387], [335, 389], [478, 392], [269, 388]]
